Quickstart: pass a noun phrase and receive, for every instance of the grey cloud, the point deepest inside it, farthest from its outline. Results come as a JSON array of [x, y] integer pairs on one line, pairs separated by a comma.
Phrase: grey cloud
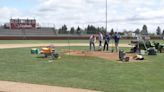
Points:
[[46, 9], [136, 19], [129, 20], [84, 12]]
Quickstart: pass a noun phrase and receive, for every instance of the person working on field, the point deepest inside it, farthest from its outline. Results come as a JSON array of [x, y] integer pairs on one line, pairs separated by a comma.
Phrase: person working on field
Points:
[[92, 41], [100, 40], [116, 40], [106, 43]]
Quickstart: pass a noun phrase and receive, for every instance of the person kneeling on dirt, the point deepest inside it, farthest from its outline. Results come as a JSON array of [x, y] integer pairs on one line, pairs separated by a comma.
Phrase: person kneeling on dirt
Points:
[[92, 41], [106, 43]]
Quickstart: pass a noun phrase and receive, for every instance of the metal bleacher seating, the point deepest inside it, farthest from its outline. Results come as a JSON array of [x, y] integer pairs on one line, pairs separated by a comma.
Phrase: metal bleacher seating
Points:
[[28, 32]]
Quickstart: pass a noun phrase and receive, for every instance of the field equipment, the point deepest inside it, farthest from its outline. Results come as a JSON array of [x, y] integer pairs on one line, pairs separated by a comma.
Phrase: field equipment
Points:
[[46, 51], [152, 51], [144, 44], [35, 51], [141, 43], [49, 51], [159, 47]]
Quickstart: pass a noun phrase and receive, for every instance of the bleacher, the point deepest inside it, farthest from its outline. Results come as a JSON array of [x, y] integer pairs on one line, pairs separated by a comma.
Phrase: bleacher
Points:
[[8, 32], [40, 32], [28, 32], [36, 34]]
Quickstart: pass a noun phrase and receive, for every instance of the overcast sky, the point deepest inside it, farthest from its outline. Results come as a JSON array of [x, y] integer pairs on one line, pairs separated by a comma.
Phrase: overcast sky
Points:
[[122, 14]]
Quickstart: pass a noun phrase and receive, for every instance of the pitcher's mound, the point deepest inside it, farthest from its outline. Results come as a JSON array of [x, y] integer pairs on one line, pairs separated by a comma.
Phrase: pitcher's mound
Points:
[[100, 54]]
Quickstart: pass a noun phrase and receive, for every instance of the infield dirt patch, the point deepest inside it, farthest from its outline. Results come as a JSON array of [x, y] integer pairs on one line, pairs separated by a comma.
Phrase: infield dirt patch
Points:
[[6, 86], [101, 54], [6, 46]]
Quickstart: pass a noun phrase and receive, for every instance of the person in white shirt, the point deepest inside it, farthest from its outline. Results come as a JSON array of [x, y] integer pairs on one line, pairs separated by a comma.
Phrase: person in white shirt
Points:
[[92, 41], [100, 40]]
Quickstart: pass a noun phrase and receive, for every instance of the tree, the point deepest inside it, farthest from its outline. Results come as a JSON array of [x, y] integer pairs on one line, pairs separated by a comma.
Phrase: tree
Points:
[[72, 31], [94, 30], [60, 31], [91, 29], [78, 31], [63, 30], [144, 30], [158, 31], [137, 31], [163, 33], [103, 30], [112, 31]]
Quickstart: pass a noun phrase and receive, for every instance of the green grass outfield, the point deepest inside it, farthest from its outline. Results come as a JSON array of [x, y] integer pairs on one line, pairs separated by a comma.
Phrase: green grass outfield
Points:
[[79, 72], [58, 41]]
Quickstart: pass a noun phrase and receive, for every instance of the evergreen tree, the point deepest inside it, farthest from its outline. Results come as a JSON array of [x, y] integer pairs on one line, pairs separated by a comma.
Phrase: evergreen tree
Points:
[[144, 30], [103, 30], [137, 31], [78, 31], [163, 33], [91, 29], [63, 29], [59, 31], [72, 31], [158, 31], [112, 31]]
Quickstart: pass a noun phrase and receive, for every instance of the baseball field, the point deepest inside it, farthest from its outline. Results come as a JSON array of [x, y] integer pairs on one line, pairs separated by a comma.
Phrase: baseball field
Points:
[[84, 72]]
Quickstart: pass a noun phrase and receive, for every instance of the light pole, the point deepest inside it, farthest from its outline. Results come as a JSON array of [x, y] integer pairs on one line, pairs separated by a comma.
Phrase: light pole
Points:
[[106, 15]]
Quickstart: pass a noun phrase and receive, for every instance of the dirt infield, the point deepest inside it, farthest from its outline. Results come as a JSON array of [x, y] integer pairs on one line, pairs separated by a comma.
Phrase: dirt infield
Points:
[[6, 86], [4, 46]]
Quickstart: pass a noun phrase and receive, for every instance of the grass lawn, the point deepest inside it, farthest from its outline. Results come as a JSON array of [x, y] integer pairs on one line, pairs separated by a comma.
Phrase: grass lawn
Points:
[[79, 72]]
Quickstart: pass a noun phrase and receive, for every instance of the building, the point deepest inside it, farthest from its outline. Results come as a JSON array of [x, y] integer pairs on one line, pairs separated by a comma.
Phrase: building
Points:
[[129, 34], [21, 24]]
